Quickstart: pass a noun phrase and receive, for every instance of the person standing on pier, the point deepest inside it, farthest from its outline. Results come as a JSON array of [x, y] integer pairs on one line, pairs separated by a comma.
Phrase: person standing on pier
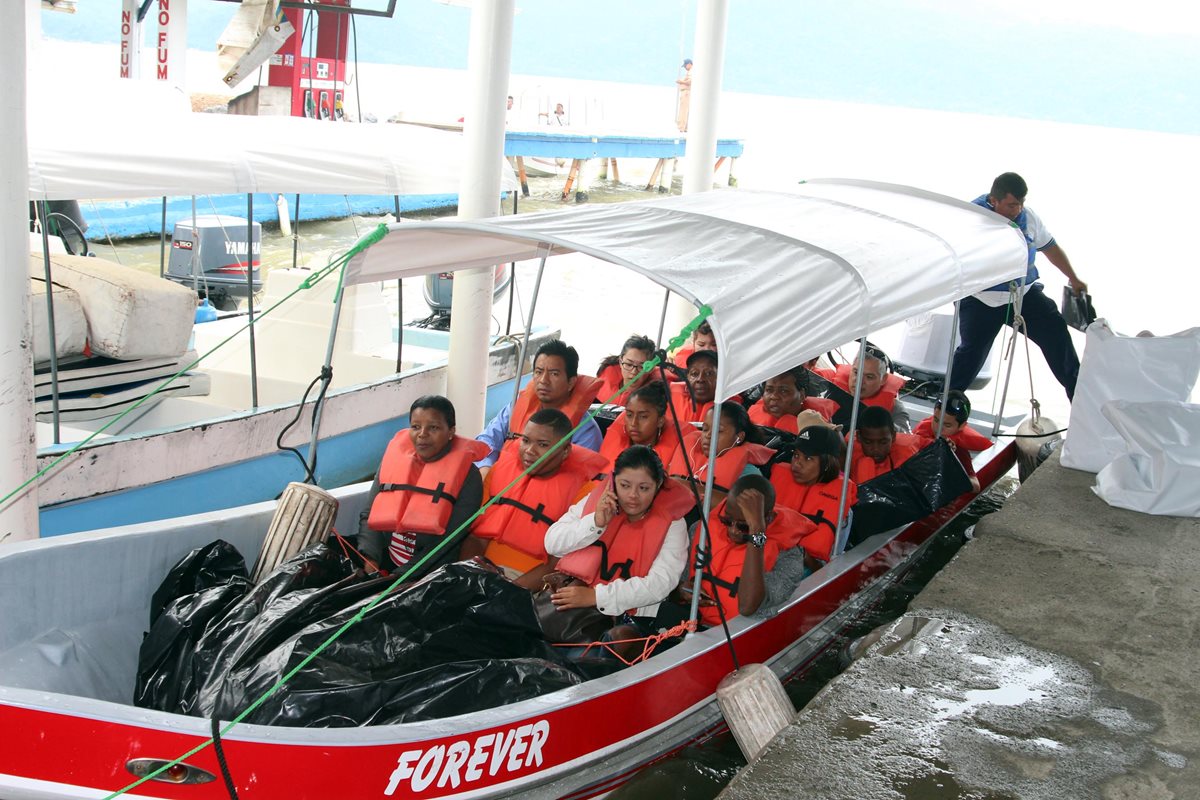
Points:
[[685, 96], [981, 316]]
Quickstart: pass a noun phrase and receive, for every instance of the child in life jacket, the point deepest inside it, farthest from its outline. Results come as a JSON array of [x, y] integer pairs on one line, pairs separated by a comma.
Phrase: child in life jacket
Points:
[[703, 338], [811, 483], [644, 421], [740, 451], [962, 439], [616, 371], [426, 488], [878, 446]]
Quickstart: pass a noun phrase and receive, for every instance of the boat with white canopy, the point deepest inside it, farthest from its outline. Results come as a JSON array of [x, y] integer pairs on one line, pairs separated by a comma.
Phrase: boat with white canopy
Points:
[[784, 276]]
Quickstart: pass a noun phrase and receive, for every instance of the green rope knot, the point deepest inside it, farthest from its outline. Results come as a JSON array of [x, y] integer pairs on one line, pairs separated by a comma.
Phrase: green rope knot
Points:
[[690, 328]]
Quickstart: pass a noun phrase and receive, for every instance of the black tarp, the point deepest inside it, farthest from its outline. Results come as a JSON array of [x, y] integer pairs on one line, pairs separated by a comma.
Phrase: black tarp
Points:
[[460, 640], [924, 483]]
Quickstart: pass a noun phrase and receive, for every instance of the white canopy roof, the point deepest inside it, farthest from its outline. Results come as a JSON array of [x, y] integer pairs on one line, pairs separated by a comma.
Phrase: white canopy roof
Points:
[[787, 275], [115, 155]]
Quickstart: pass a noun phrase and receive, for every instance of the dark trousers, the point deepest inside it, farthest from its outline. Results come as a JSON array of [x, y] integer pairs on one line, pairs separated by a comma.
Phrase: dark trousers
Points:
[[978, 324]]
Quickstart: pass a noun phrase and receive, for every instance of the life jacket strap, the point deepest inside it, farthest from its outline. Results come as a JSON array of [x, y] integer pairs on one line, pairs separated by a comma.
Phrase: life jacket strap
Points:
[[536, 514], [438, 494]]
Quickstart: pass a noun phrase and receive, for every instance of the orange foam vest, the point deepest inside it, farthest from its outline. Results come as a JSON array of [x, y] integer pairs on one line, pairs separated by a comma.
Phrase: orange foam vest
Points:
[[684, 407], [616, 441], [864, 469], [417, 496], [967, 437], [626, 549], [885, 397], [724, 565], [730, 463], [823, 406], [522, 516], [817, 502]]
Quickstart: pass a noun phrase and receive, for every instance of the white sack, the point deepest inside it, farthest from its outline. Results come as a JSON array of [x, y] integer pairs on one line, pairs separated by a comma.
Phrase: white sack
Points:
[[1161, 472], [70, 324], [1134, 368]]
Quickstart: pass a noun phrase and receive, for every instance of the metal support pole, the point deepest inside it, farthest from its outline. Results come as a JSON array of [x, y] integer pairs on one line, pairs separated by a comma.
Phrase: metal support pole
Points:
[[949, 366], [662, 318], [327, 370], [162, 241], [45, 212], [537, 287], [841, 515], [706, 507], [250, 297], [399, 325], [296, 234], [512, 282], [1012, 355]]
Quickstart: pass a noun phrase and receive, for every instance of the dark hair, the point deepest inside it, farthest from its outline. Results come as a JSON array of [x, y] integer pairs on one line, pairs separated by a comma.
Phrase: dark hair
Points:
[[875, 417], [755, 482], [654, 393], [639, 456], [799, 376], [957, 405], [736, 413], [557, 347], [554, 419], [704, 328], [634, 342], [1006, 184], [687, 61], [435, 402]]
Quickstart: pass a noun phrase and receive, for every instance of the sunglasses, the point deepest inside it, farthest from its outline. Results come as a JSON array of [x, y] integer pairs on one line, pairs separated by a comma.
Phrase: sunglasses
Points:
[[740, 527]]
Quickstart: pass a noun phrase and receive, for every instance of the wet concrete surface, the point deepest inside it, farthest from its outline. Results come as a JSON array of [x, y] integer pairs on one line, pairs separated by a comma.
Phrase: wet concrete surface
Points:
[[1055, 657]]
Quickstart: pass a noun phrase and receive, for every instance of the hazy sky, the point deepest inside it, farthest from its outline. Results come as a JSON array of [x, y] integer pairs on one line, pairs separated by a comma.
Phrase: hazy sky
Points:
[[1099, 62]]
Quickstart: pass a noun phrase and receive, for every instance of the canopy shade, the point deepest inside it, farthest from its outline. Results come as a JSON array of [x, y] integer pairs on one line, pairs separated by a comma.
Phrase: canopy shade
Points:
[[114, 155], [788, 275]]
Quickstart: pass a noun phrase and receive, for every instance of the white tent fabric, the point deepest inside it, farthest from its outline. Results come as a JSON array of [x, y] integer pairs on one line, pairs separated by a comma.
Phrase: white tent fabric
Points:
[[787, 275], [114, 155]]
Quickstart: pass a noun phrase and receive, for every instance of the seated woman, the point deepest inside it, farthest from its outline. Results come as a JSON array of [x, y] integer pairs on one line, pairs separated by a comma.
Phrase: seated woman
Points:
[[511, 532], [703, 338], [616, 371], [749, 533], [785, 396], [812, 485], [644, 421], [739, 448], [426, 487], [625, 543], [693, 398]]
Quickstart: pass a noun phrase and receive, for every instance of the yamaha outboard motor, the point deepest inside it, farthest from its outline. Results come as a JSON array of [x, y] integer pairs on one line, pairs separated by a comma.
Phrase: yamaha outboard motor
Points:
[[211, 257]]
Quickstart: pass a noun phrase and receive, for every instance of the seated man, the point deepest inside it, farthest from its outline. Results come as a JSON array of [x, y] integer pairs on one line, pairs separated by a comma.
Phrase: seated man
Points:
[[749, 532], [880, 387], [878, 448], [512, 532], [426, 487], [694, 398], [556, 384], [955, 431], [702, 339], [785, 396]]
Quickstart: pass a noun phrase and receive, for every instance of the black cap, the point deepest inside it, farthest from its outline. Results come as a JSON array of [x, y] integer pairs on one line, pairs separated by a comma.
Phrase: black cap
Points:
[[710, 355], [817, 440]]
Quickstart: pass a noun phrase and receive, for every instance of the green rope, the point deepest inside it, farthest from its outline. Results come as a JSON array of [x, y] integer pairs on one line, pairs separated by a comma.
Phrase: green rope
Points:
[[648, 366], [309, 282]]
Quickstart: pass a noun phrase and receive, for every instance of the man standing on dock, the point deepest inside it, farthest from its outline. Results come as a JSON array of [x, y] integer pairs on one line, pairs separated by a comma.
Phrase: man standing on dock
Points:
[[684, 99], [981, 316]]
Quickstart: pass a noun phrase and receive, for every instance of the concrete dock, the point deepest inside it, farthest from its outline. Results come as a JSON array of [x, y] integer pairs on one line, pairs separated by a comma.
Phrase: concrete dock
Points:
[[1057, 656]]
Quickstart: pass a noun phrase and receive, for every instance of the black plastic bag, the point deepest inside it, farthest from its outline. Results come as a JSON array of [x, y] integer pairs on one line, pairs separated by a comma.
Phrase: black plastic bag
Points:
[[462, 612], [924, 483], [215, 564], [831, 391], [1077, 309]]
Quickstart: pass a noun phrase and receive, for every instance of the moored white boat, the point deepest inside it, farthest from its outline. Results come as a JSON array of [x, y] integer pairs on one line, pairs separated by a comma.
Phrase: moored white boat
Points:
[[786, 276]]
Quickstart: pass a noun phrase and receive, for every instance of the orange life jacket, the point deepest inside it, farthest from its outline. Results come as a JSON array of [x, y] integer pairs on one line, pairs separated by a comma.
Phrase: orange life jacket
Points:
[[967, 437], [823, 406], [626, 549], [730, 463], [610, 380], [681, 356], [417, 496], [817, 502], [884, 398], [863, 468], [522, 516], [684, 407], [616, 440]]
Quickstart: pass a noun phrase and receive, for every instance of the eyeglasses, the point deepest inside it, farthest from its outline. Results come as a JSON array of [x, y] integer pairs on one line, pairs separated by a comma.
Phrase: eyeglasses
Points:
[[740, 527], [631, 365]]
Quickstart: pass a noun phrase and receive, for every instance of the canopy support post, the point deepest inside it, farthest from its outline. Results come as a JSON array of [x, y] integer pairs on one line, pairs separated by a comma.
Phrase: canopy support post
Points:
[[326, 379], [296, 234], [162, 241], [662, 318], [250, 297], [841, 515], [949, 366], [537, 287], [50, 330], [1016, 303]]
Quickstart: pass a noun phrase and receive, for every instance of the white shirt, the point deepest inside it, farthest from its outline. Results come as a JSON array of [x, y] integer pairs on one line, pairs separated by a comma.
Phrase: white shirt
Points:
[[574, 531], [1038, 237]]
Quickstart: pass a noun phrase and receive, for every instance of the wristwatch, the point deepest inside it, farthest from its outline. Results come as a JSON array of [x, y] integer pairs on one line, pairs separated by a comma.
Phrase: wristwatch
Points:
[[759, 539]]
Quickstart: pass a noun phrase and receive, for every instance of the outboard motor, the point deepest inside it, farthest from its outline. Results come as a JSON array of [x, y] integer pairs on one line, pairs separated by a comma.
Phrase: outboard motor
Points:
[[218, 270], [439, 287]]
